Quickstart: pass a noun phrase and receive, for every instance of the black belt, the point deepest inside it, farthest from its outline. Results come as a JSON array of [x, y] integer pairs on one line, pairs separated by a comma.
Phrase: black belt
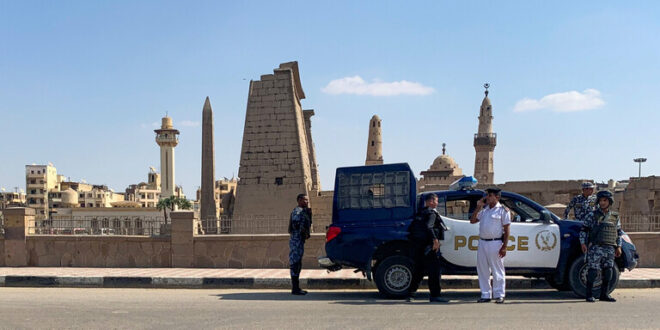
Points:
[[490, 239]]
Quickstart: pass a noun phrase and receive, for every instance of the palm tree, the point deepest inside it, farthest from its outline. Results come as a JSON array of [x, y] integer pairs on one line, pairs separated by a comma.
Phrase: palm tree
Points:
[[171, 203], [183, 203], [164, 204]]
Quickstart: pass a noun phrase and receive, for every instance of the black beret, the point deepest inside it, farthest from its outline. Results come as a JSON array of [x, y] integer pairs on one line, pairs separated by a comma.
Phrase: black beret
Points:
[[493, 190]]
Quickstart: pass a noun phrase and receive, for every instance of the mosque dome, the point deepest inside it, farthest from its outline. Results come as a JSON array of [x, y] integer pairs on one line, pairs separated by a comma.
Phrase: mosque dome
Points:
[[443, 163], [69, 197]]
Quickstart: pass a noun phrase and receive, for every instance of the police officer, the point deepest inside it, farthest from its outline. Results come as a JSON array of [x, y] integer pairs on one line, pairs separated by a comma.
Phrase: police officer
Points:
[[582, 204], [299, 230], [426, 232], [494, 220], [600, 237]]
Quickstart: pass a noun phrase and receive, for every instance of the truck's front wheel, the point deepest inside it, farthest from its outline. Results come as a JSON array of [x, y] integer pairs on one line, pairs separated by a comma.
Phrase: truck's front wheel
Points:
[[394, 276], [577, 278]]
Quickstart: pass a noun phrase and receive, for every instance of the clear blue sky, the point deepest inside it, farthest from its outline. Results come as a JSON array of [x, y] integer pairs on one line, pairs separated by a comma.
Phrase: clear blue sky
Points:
[[82, 82]]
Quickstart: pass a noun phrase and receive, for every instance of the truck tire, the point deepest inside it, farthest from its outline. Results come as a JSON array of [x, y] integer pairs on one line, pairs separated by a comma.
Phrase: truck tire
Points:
[[577, 278], [394, 275]]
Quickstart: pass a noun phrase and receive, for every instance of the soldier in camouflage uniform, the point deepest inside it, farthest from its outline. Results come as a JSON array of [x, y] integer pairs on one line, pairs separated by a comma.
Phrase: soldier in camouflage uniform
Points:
[[299, 230], [600, 237], [582, 204]]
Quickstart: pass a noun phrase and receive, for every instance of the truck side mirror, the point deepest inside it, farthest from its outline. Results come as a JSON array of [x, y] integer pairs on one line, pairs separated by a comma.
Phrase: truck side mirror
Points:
[[545, 216]]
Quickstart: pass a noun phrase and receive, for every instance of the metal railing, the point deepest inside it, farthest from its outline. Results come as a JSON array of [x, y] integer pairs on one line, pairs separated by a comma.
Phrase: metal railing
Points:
[[253, 225], [640, 222], [132, 226]]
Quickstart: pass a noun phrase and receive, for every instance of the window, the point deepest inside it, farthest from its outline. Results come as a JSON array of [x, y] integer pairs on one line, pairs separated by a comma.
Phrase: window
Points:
[[520, 211], [374, 190], [33, 181], [372, 143], [458, 207], [279, 181]]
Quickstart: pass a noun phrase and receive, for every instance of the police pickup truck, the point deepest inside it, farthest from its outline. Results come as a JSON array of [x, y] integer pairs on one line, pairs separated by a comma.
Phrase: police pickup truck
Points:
[[374, 205]]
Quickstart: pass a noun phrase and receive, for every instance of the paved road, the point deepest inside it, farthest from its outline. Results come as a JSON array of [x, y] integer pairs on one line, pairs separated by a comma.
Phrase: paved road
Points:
[[158, 308]]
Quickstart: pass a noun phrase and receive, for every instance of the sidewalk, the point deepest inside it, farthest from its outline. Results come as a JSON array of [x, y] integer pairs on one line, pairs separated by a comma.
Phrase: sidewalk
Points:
[[253, 278]]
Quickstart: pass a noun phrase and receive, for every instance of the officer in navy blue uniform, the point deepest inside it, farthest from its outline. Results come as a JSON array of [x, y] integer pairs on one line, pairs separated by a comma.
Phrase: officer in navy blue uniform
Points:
[[600, 237], [426, 232], [582, 204], [299, 230]]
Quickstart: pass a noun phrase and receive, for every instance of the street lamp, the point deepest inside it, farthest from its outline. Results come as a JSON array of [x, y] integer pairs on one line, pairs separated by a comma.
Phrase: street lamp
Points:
[[640, 161]]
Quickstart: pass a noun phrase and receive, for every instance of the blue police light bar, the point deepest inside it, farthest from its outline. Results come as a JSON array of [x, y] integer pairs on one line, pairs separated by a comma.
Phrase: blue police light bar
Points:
[[464, 183]]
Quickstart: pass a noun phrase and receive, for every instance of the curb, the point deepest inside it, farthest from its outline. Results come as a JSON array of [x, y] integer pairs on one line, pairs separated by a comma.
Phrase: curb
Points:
[[266, 283]]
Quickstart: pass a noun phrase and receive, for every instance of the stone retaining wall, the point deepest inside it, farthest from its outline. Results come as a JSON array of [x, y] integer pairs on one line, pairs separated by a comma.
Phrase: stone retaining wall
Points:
[[648, 247], [98, 251], [253, 251], [2, 251], [184, 249]]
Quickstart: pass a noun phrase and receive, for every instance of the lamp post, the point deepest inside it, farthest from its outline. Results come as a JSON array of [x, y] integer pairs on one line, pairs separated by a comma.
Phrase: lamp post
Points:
[[640, 161]]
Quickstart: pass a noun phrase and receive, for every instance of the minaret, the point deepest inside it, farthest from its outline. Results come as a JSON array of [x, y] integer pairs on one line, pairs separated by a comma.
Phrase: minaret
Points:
[[167, 139], [207, 199], [375, 143], [484, 143]]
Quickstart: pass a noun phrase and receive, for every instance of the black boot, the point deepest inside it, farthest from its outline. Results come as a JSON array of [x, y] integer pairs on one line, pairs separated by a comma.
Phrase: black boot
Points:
[[295, 286], [604, 287], [591, 276]]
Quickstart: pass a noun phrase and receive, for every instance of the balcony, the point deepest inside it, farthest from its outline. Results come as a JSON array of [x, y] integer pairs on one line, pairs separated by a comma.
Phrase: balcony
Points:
[[485, 139]]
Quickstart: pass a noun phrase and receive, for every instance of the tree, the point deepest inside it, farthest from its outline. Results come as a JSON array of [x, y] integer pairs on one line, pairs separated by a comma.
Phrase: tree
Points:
[[171, 203], [164, 204]]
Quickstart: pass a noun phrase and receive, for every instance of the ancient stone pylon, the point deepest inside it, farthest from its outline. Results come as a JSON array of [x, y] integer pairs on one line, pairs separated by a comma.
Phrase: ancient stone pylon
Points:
[[278, 160], [207, 210], [374, 143]]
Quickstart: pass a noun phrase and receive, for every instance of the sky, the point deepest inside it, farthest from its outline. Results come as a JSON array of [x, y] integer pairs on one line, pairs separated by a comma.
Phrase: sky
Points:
[[574, 84]]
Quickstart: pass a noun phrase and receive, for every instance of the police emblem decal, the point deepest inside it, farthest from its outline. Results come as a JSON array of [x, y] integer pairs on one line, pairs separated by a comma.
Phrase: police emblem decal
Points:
[[546, 240]]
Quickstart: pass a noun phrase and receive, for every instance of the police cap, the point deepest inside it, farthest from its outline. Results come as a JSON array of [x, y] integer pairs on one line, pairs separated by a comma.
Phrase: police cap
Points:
[[493, 190], [588, 185]]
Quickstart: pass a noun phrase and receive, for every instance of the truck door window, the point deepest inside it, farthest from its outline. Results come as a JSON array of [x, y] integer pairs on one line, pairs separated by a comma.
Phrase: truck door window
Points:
[[442, 208], [374, 190], [461, 208], [520, 211]]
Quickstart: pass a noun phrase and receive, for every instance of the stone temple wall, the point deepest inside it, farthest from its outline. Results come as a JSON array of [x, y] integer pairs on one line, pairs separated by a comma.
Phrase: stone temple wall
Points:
[[642, 196], [321, 205], [275, 164]]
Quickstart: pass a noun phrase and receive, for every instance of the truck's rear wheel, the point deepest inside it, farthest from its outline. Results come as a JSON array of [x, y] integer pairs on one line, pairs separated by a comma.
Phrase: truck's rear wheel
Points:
[[394, 276], [577, 278]]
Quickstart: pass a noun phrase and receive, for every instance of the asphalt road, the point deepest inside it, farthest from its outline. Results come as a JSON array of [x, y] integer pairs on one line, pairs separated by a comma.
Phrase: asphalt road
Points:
[[191, 309]]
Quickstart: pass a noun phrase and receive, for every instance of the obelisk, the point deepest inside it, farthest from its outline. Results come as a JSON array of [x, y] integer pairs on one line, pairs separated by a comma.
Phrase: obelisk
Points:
[[207, 199]]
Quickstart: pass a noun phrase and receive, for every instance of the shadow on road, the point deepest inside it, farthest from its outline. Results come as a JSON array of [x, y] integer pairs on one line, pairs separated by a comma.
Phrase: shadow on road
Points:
[[374, 298]]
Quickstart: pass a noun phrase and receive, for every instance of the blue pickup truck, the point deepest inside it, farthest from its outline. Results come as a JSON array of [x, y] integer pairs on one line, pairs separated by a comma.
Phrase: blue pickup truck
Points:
[[374, 205]]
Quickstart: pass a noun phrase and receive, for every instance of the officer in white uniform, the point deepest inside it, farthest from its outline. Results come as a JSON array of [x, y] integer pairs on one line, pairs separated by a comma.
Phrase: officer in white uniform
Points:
[[494, 220]]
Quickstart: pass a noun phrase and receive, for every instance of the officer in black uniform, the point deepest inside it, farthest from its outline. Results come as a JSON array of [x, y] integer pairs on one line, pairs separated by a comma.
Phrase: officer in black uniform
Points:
[[426, 232], [600, 237]]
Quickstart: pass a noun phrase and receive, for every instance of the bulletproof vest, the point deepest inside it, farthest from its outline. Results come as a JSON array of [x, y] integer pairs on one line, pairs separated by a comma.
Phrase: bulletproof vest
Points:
[[604, 232]]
